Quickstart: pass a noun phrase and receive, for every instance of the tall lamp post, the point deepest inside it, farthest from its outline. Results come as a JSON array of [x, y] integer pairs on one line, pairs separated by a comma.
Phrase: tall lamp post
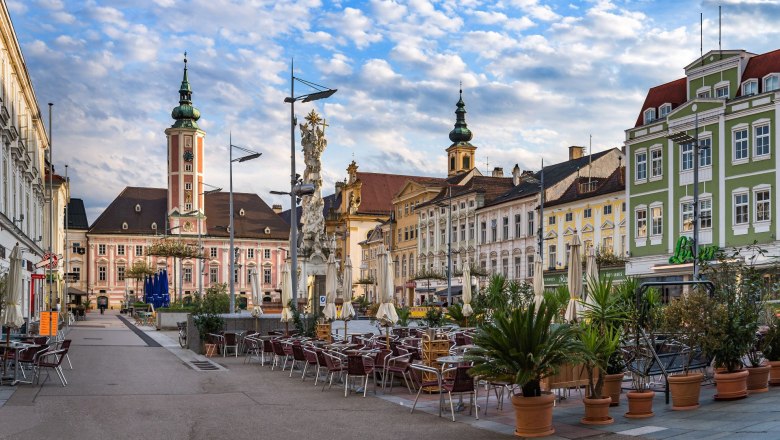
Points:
[[320, 92], [250, 154], [684, 138]]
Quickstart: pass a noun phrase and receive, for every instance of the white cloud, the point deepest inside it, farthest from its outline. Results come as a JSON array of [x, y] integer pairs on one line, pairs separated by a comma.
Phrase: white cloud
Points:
[[339, 64], [352, 24]]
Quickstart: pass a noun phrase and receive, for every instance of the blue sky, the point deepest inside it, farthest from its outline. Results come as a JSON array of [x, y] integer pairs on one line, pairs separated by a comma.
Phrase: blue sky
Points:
[[537, 77]]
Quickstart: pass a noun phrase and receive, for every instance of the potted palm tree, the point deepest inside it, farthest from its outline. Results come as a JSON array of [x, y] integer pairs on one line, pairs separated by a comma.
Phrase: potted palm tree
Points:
[[640, 398], [685, 319], [523, 346], [598, 345]]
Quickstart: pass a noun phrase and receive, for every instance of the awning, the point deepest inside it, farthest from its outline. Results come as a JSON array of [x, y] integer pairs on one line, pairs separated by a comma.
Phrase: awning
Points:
[[76, 292], [456, 291]]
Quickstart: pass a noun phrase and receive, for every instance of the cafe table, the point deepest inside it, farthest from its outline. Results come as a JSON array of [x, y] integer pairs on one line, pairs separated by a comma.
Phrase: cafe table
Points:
[[16, 347]]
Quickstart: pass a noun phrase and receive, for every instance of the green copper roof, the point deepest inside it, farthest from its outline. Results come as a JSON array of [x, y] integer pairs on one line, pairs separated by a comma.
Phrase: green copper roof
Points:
[[461, 132], [185, 114]]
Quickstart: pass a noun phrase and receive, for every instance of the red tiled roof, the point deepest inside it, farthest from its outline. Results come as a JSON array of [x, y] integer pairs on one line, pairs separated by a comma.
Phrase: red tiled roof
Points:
[[674, 92], [378, 190], [759, 66]]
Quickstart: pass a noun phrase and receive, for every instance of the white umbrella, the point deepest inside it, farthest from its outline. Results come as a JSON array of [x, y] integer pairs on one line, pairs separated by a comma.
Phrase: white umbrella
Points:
[[538, 281], [591, 271], [386, 313], [12, 309], [575, 279], [347, 311], [256, 301], [286, 293], [467, 310], [331, 284]]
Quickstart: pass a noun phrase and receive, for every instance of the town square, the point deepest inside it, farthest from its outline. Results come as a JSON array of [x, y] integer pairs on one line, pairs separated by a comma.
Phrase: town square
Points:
[[389, 219]]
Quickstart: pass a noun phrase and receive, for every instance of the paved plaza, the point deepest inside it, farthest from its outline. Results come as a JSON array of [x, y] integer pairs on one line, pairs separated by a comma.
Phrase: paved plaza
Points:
[[130, 383]]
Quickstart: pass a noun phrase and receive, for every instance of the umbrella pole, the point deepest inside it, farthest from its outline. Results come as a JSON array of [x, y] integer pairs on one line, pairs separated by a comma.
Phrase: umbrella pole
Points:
[[7, 344], [345, 329], [287, 329], [387, 336]]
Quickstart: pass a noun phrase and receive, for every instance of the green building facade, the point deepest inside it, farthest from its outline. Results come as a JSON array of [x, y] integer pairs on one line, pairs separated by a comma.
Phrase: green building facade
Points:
[[731, 98]]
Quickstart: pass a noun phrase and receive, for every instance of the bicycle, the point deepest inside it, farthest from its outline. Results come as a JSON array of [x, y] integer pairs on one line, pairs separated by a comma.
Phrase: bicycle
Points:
[[182, 334]]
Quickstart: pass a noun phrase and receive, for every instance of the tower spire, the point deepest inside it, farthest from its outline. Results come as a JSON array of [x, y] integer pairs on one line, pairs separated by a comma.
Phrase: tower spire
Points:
[[460, 155], [461, 132], [185, 114]]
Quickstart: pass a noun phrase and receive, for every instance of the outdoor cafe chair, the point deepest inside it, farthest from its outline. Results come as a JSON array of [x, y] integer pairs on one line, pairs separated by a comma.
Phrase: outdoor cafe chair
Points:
[[299, 358], [218, 340], [65, 344], [426, 377], [266, 349], [460, 383], [53, 360], [397, 365], [335, 364], [28, 356], [279, 354], [229, 342], [252, 349], [358, 366], [312, 360]]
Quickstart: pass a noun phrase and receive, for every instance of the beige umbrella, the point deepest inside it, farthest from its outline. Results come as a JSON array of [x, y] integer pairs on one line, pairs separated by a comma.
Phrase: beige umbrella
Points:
[[347, 311], [257, 311], [538, 281], [575, 279], [467, 310], [11, 317], [331, 284], [286, 293], [591, 271], [386, 314]]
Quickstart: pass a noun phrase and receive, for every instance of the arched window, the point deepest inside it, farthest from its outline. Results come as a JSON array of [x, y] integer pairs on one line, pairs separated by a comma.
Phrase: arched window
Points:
[[403, 266], [466, 162], [452, 162]]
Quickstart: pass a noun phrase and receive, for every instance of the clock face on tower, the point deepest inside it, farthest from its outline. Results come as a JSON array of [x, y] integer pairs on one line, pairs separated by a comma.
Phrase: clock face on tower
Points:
[[188, 156]]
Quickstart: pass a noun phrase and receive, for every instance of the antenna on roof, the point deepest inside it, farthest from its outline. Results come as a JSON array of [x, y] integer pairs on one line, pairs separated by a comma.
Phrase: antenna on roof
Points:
[[487, 165], [701, 37], [720, 49]]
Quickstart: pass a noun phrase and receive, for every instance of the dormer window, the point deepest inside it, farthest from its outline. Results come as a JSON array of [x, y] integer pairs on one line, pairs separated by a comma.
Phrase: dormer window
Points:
[[649, 115], [267, 230], [154, 226], [750, 87], [241, 213], [771, 82], [664, 110], [704, 92], [138, 207], [124, 226]]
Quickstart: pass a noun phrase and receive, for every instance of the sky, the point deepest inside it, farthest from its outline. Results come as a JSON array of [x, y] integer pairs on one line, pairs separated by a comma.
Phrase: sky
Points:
[[537, 77]]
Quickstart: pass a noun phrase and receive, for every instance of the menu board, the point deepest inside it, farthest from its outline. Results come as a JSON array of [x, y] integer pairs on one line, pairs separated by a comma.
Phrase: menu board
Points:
[[48, 324]]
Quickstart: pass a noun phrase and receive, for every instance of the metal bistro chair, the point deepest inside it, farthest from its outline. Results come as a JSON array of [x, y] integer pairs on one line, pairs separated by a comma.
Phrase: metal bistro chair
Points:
[[356, 367], [53, 360], [279, 354], [461, 383], [29, 356], [229, 342], [335, 365], [266, 348], [434, 380], [252, 349], [312, 359], [299, 358], [397, 365]]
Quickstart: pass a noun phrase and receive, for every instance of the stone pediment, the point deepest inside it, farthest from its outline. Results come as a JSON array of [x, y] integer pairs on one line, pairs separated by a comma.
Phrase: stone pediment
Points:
[[608, 225]]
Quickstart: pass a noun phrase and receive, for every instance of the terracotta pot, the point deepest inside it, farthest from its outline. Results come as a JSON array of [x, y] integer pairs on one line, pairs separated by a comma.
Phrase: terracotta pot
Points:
[[685, 390], [640, 404], [774, 373], [597, 411], [731, 386], [758, 379], [533, 415], [613, 384]]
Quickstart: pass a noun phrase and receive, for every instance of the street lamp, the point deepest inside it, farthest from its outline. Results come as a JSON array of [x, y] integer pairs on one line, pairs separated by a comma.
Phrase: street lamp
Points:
[[320, 92], [684, 138], [249, 156]]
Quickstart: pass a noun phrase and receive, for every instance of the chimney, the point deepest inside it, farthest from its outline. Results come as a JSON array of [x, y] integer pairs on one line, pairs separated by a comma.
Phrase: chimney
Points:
[[498, 172], [576, 152], [516, 175], [277, 209]]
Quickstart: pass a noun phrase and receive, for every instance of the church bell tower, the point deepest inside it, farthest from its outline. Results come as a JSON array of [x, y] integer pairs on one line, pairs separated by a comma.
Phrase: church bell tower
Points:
[[460, 155]]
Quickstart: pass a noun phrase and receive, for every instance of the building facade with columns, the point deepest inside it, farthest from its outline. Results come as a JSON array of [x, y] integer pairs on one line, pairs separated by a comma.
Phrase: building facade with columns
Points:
[[140, 217]]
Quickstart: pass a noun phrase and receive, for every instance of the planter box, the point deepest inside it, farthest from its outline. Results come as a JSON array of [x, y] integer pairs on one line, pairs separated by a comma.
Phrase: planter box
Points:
[[168, 320]]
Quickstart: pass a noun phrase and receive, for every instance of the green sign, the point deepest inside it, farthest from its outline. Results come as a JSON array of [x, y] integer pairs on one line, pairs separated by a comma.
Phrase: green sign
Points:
[[683, 251], [618, 274]]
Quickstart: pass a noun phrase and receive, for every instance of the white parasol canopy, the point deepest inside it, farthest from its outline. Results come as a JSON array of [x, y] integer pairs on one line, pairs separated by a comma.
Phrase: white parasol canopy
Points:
[[12, 309], [467, 310], [331, 284], [591, 271], [347, 311], [256, 300], [538, 281], [286, 293], [575, 279], [386, 313]]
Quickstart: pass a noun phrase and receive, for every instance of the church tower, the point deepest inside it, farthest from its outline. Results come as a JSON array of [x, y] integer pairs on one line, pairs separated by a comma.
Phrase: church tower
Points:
[[460, 155], [185, 164]]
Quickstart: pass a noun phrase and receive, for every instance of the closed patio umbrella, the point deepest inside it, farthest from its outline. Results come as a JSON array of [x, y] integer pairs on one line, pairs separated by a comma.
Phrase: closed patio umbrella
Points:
[[591, 271], [256, 300], [165, 297], [286, 293], [347, 311], [386, 314], [575, 279], [11, 316], [538, 281], [467, 310], [331, 284]]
